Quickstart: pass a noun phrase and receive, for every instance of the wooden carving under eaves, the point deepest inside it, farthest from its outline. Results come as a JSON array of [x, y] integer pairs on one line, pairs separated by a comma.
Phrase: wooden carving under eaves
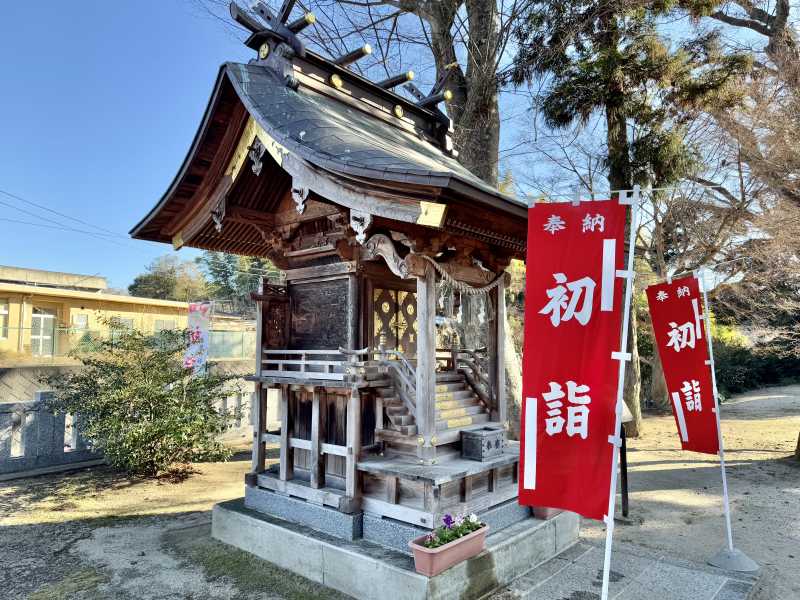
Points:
[[381, 245]]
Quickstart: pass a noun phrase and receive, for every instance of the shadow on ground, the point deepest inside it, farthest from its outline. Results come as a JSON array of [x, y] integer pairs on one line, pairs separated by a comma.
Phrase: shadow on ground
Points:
[[146, 558]]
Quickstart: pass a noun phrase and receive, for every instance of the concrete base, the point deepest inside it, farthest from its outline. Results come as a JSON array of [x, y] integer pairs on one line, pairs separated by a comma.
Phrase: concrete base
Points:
[[365, 570], [295, 510], [733, 560], [395, 534]]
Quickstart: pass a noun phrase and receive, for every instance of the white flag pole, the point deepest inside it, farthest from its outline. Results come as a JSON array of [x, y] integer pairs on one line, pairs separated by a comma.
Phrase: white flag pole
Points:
[[623, 356], [728, 558]]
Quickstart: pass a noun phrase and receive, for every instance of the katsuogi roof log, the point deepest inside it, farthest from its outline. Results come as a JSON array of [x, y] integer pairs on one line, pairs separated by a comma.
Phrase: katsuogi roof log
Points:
[[322, 133]]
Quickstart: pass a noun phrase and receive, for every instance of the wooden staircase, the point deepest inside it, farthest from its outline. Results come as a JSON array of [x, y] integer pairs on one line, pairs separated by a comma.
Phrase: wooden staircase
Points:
[[457, 407]]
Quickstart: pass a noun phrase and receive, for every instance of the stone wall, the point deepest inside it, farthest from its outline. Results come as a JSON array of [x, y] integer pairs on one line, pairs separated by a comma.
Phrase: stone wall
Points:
[[32, 438]]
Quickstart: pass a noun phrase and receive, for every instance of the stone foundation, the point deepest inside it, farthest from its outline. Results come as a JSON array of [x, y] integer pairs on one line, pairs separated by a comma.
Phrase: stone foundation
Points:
[[295, 510], [369, 571]]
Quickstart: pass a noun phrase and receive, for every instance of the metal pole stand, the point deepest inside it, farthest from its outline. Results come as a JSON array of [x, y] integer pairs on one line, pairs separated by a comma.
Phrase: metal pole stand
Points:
[[729, 558]]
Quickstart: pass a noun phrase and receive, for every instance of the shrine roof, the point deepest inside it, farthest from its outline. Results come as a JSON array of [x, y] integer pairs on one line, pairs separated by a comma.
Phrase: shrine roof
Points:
[[354, 142], [340, 138]]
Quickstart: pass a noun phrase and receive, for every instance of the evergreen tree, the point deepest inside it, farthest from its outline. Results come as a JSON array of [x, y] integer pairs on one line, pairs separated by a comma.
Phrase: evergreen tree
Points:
[[608, 59], [231, 278], [169, 278]]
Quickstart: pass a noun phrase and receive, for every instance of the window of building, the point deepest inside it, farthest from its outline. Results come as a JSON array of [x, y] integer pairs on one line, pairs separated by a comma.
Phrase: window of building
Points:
[[80, 321], [4, 319], [126, 323], [165, 325], [43, 328]]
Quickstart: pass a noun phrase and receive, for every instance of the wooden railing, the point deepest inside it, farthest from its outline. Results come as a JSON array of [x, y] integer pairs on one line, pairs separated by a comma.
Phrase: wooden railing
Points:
[[304, 364], [404, 378], [475, 366]]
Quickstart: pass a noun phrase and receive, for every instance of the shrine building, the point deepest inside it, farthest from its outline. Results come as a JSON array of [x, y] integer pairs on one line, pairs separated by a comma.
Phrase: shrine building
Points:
[[392, 253]]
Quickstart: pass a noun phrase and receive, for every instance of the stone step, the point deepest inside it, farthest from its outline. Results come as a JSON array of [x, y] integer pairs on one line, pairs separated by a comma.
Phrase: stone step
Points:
[[454, 395], [461, 422], [454, 413], [450, 387], [399, 409], [408, 430], [448, 376], [463, 403]]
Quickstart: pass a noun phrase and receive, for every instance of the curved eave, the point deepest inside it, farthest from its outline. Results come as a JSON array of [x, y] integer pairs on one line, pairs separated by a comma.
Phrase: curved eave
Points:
[[446, 179]]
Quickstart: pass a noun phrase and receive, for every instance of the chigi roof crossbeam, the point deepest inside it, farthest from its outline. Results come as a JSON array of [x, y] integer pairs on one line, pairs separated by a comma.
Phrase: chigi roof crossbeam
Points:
[[279, 47]]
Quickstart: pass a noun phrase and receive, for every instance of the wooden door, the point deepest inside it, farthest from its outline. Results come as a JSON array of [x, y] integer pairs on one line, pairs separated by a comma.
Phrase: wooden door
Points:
[[394, 319]]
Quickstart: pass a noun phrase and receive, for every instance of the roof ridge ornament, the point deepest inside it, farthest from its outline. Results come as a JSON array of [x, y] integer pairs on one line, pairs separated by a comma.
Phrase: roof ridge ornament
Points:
[[278, 46], [273, 23]]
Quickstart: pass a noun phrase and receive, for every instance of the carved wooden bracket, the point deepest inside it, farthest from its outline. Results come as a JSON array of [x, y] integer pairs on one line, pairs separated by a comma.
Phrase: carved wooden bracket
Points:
[[360, 222], [300, 195], [218, 214], [256, 153], [380, 245]]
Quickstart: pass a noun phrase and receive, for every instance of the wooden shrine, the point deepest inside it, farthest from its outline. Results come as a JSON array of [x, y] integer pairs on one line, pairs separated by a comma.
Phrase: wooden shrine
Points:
[[354, 191]]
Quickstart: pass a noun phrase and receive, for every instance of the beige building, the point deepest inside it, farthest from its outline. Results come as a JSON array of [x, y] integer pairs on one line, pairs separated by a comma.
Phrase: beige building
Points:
[[44, 314]]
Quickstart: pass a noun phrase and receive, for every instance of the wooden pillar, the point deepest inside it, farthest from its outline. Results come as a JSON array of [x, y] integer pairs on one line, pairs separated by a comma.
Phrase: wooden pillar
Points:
[[287, 453], [259, 409], [317, 435], [353, 311], [352, 487], [500, 335], [260, 397], [492, 354], [426, 364]]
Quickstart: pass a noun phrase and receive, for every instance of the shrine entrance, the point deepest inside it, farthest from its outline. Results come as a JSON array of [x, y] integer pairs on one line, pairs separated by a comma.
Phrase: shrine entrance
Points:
[[393, 319]]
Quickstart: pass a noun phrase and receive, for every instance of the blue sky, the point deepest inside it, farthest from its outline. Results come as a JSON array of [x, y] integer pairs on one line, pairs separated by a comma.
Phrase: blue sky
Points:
[[98, 107]]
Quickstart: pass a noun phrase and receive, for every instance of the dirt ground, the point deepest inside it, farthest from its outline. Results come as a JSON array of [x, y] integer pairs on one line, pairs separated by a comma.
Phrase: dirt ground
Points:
[[95, 534], [676, 496]]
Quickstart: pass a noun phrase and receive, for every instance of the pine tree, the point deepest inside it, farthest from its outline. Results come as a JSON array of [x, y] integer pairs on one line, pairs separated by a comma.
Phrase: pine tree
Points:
[[609, 59]]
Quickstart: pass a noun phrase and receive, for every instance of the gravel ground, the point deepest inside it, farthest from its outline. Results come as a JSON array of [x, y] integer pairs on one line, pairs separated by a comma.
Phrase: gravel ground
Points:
[[95, 534]]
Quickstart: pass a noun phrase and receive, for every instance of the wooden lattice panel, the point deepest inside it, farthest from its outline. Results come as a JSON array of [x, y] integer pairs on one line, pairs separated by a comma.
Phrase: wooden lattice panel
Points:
[[394, 320]]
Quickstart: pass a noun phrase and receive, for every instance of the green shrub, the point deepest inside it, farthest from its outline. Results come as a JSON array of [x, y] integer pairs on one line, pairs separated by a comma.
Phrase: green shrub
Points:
[[138, 404]]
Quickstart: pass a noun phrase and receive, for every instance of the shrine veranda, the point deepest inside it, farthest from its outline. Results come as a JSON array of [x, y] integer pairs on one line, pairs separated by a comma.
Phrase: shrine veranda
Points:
[[355, 193]]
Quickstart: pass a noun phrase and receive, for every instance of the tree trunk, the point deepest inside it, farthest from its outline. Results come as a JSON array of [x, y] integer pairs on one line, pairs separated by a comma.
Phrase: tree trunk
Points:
[[633, 381], [619, 179], [658, 385]]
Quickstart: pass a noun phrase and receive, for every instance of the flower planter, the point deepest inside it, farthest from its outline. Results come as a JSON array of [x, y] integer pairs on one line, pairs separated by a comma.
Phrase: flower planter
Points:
[[432, 561]]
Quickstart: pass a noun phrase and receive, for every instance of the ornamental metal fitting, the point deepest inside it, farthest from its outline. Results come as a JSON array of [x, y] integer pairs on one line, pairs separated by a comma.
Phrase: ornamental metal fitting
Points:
[[433, 440], [263, 51], [421, 441]]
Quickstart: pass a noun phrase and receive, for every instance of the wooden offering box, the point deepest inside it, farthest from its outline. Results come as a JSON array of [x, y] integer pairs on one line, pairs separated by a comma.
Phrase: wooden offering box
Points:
[[482, 443]]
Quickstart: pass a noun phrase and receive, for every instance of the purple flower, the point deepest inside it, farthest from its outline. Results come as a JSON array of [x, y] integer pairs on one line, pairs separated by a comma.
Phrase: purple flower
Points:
[[448, 521]]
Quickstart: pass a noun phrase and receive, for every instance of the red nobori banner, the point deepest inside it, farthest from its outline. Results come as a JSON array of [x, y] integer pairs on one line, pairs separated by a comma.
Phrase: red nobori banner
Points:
[[676, 310], [573, 315]]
